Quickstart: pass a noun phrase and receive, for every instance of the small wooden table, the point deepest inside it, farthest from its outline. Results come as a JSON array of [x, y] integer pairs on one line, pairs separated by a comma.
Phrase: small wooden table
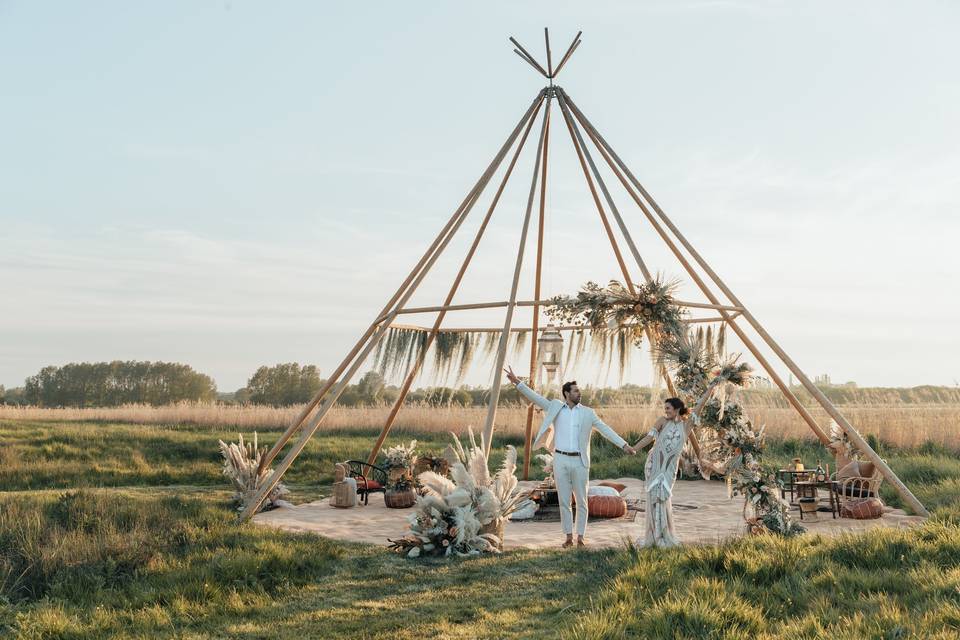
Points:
[[789, 478], [814, 486]]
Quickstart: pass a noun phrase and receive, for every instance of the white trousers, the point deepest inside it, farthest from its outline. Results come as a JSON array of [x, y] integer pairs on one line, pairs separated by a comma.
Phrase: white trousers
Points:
[[571, 478]]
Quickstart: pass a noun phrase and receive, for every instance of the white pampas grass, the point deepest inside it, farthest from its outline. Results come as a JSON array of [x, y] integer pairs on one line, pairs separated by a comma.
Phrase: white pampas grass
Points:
[[243, 463], [452, 513], [436, 484]]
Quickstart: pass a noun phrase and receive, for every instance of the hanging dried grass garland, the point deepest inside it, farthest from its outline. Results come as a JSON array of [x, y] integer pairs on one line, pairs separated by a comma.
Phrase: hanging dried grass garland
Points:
[[453, 351]]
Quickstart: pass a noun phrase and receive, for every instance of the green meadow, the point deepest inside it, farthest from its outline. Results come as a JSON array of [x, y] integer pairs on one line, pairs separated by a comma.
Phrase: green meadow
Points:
[[128, 531]]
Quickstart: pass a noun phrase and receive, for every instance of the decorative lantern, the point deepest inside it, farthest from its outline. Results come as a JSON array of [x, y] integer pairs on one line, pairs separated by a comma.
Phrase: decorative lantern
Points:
[[550, 351]]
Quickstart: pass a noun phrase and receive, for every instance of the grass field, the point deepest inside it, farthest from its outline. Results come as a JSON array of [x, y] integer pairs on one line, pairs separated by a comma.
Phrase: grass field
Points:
[[123, 530]]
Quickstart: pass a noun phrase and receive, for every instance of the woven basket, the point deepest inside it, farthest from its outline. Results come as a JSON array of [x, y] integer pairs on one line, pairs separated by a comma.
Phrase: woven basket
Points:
[[344, 494], [399, 499]]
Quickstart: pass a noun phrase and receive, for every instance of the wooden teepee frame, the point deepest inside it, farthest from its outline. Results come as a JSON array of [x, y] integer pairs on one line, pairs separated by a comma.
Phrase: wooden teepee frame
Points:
[[581, 132]]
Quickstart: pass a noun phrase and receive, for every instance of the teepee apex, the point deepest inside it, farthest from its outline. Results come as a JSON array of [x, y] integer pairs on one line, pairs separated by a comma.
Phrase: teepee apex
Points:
[[549, 72]]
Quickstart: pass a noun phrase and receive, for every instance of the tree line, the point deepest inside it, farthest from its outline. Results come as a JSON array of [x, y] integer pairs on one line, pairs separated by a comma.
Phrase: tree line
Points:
[[107, 384]]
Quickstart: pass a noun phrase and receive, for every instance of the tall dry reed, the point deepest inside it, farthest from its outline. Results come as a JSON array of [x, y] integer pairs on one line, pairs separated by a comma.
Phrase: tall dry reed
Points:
[[900, 425]]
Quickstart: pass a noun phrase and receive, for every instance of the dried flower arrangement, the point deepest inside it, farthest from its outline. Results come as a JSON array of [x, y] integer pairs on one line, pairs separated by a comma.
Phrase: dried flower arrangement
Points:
[[399, 461], [618, 320], [243, 463], [458, 516]]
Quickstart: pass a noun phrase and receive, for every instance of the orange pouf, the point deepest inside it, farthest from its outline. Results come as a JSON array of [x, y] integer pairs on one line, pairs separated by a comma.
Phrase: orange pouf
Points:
[[865, 509], [607, 506]]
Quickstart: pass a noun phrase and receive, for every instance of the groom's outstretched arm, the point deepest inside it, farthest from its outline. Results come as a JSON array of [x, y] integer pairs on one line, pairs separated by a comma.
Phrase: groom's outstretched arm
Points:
[[529, 393], [607, 432]]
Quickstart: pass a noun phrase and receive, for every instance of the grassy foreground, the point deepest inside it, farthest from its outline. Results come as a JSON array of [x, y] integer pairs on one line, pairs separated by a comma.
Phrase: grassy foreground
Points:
[[154, 552]]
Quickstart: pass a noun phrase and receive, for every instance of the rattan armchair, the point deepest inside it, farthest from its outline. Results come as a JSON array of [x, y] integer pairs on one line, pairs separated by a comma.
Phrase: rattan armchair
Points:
[[856, 487], [370, 478]]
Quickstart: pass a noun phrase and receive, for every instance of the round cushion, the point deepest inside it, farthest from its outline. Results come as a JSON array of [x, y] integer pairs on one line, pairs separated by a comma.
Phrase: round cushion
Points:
[[606, 506], [602, 490], [865, 509]]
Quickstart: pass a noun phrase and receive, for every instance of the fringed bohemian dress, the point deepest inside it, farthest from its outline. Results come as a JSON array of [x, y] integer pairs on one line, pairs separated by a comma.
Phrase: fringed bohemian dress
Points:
[[660, 472]]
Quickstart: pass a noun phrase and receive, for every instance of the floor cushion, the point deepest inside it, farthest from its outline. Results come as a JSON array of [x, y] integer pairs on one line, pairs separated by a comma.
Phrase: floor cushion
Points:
[[602, 490], [619, 486], [606, 506], [865, 509]]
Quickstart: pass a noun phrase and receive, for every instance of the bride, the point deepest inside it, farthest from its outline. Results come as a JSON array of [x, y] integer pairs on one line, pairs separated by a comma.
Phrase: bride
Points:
[[668, 435]]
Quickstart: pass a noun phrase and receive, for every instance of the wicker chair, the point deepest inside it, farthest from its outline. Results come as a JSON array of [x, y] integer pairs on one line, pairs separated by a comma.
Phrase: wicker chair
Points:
[[856, 487], [370, 478]]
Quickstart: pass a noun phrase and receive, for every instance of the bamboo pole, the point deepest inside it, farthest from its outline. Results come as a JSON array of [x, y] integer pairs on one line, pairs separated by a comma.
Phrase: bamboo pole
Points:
[[252, 506], [532, 303], [331, 399], [528, 61], [580, 144], [593, 191], [411, 376], [505, 336], [614, 161], [563, 327], [528, 428], [527, 54], [570, 50], [471, 195], [824, 402], [546, 38]]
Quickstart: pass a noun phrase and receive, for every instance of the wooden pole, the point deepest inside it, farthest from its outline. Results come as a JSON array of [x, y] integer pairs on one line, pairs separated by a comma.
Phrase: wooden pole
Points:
[[528, 61], [596, 199], [570, 50], [532, 303], [513, 329], [411, 376], [546, 38], [531, 58], [579, 143], [528, 429], [467, 201], [614, 163], [824, 402], [331, 399], [505, 336]]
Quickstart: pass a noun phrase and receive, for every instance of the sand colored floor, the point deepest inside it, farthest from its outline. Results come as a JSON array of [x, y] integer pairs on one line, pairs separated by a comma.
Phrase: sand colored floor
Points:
[[702, 514]]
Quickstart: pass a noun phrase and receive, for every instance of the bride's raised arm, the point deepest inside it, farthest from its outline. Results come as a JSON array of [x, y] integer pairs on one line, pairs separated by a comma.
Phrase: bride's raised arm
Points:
[[651, 435]]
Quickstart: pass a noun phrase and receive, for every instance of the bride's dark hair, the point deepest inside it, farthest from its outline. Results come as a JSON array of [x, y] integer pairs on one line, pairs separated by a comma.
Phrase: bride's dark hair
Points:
[[678, 404]]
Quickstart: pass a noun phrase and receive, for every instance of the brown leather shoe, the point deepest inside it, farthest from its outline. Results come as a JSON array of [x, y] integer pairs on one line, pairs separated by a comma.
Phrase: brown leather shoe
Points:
[[581, 544], [567, 544]]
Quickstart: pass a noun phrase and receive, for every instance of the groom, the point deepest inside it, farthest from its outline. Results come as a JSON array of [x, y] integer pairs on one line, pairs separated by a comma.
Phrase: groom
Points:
[[566, 429]]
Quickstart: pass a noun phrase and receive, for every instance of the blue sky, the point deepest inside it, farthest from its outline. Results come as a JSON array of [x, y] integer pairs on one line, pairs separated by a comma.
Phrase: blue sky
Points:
[[232, 184]]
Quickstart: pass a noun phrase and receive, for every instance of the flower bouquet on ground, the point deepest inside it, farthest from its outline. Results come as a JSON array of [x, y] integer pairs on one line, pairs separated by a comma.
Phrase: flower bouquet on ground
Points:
[[465, 514], [763, 510], [741, 447], [243, 463]]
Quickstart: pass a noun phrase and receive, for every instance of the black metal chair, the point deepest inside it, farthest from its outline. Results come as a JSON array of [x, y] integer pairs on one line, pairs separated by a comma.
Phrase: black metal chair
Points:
[[370, 478]]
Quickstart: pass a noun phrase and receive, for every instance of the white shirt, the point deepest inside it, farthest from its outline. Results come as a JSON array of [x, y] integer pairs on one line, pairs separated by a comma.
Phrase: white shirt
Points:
[[567, 429]]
